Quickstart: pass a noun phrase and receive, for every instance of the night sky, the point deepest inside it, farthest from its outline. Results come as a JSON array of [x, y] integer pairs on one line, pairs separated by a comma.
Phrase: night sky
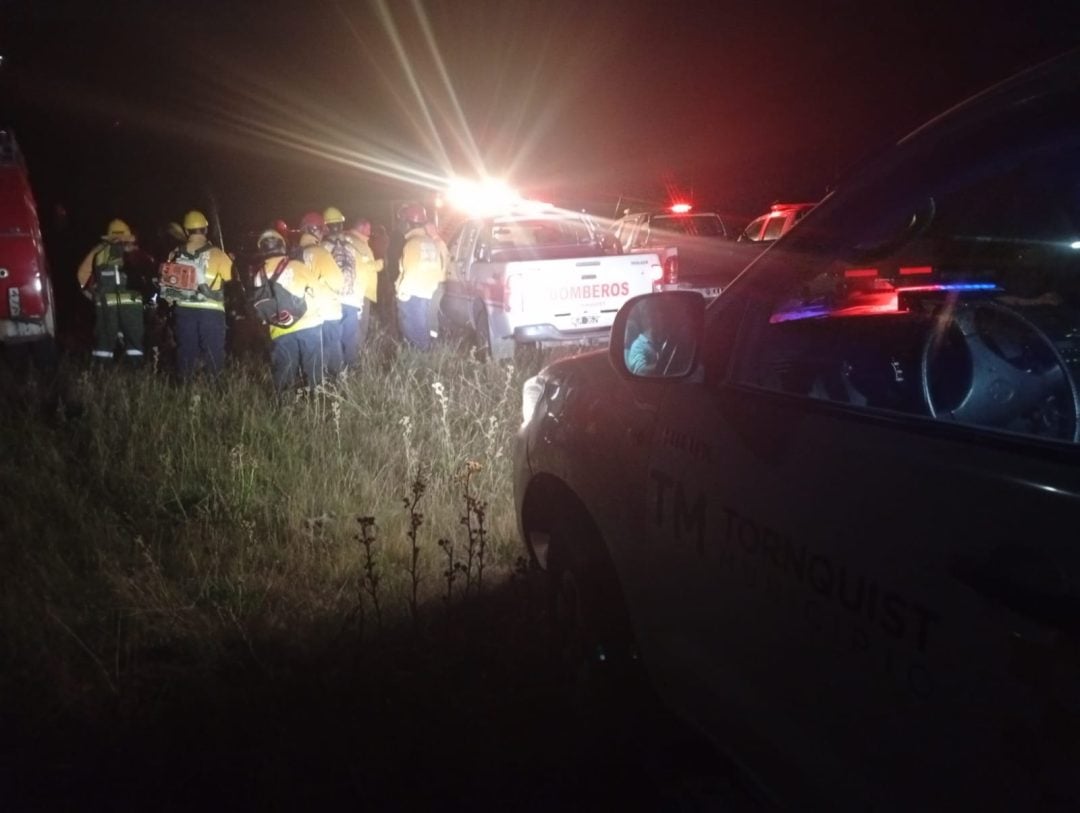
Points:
[[144, 110]]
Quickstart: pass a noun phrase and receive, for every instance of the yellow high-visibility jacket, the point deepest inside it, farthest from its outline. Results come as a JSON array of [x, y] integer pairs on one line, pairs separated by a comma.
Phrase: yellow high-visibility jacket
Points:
[[298, 281], [367, 267], [329, 281], [423, 266]]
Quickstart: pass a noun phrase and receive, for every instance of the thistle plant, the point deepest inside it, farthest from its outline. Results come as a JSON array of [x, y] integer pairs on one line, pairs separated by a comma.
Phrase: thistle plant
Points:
[[371, 577], [416, 519], [450, 572], [473, 519]]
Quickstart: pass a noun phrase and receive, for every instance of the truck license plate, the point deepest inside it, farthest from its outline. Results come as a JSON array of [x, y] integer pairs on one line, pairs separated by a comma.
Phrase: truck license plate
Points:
[[587, 319]]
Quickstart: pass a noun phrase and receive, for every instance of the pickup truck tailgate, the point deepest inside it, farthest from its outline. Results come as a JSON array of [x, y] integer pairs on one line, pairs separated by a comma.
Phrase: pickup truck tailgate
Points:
[[576, 294]]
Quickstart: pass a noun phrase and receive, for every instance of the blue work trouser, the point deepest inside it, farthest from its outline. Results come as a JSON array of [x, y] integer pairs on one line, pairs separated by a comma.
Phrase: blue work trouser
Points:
[[331, 348], [199, 332], [413, 319], [350, 334], [300, 351]]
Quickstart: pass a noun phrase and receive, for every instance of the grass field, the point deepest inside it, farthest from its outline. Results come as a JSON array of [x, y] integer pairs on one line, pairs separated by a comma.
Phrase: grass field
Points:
[[149, 527]]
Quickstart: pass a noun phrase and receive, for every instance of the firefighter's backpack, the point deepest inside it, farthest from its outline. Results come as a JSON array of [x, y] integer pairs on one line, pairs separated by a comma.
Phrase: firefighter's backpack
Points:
[[178, 281], [273, 304]]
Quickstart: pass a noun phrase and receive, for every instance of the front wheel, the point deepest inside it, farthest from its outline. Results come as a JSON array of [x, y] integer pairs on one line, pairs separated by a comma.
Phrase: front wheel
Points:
[[592, 644]]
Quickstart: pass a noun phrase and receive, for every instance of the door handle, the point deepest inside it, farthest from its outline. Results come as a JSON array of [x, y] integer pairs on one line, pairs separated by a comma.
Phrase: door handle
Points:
[[1026, 581]]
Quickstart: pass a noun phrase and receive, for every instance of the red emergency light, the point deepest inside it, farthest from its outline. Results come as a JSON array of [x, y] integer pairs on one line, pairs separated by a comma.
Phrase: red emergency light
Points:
[[680, 208]]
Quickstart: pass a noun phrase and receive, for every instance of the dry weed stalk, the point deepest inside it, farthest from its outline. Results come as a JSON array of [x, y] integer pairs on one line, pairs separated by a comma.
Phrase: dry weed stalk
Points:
[[371, 578], [416, 519], [474, 520]]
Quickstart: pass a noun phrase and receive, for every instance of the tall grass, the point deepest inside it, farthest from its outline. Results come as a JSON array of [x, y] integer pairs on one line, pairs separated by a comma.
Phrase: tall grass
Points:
[[145, 524]]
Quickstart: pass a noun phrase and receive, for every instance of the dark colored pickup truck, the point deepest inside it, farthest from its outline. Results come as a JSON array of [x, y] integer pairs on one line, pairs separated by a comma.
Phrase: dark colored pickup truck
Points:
[[834, 512]]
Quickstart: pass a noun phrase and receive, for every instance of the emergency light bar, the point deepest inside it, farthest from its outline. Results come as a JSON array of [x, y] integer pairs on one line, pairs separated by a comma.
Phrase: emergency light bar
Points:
[[680, 208]]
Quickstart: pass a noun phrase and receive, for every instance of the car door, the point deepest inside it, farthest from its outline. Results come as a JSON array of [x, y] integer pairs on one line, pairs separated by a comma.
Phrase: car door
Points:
[[868, 567], [456, 304]]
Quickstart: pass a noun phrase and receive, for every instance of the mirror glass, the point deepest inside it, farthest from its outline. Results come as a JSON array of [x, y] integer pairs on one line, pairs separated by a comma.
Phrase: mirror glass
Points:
[[659, 339]]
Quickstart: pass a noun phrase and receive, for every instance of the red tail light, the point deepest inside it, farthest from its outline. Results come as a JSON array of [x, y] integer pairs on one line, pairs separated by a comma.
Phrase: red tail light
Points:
[[513, 288], [671, 270]]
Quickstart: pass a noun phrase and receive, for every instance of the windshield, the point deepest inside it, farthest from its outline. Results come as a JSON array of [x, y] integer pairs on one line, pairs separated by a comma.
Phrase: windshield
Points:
[[534, 232], [945, 283], [704, 225], [993, 210]]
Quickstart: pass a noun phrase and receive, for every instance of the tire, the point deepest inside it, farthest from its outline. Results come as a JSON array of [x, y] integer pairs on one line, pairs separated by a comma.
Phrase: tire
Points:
[[591, 642]]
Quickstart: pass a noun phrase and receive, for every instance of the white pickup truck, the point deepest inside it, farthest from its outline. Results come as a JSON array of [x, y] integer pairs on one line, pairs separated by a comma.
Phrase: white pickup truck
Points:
[[536, 279]]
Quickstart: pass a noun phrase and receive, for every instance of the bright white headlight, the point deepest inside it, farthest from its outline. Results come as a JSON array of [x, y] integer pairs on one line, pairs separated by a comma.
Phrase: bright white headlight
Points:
[[531, 393]]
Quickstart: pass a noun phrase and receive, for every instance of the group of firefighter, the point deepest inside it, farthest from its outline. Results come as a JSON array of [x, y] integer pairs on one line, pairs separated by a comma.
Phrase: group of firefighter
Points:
[[330, 273]]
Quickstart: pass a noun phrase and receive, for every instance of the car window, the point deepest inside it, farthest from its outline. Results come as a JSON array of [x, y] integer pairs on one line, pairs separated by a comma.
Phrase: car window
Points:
[[699, 225], [947, 286], [641, 238], [548, 231], [753, 231], [461, 245], [774, 227]]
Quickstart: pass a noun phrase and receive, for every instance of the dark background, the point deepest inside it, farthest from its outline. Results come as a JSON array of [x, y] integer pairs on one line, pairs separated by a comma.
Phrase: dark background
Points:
[[142, 107], [258, 110]]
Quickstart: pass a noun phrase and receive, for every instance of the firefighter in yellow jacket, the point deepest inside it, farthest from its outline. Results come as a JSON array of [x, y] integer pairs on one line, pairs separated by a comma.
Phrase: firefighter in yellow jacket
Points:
[[327, 290], [422, 270], [336, 241], [366, 291], [296, 348], [200, 314], [118, 307]]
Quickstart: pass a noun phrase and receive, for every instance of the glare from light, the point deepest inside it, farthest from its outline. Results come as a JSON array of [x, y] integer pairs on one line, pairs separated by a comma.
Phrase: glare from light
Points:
[[478, 198], [681, 208], [531, 393], [1075, 244]]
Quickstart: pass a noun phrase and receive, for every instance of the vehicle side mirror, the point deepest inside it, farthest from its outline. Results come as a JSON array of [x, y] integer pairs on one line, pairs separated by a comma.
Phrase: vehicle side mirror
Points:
[[658, 335]]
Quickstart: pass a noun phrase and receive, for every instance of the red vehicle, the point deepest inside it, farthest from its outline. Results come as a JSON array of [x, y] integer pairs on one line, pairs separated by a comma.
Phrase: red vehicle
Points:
[[27, 306]]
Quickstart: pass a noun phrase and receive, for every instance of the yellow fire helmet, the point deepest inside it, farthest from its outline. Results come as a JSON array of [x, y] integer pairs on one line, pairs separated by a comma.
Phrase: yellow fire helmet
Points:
[[119, 232], [195, 220], [333, 215]]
